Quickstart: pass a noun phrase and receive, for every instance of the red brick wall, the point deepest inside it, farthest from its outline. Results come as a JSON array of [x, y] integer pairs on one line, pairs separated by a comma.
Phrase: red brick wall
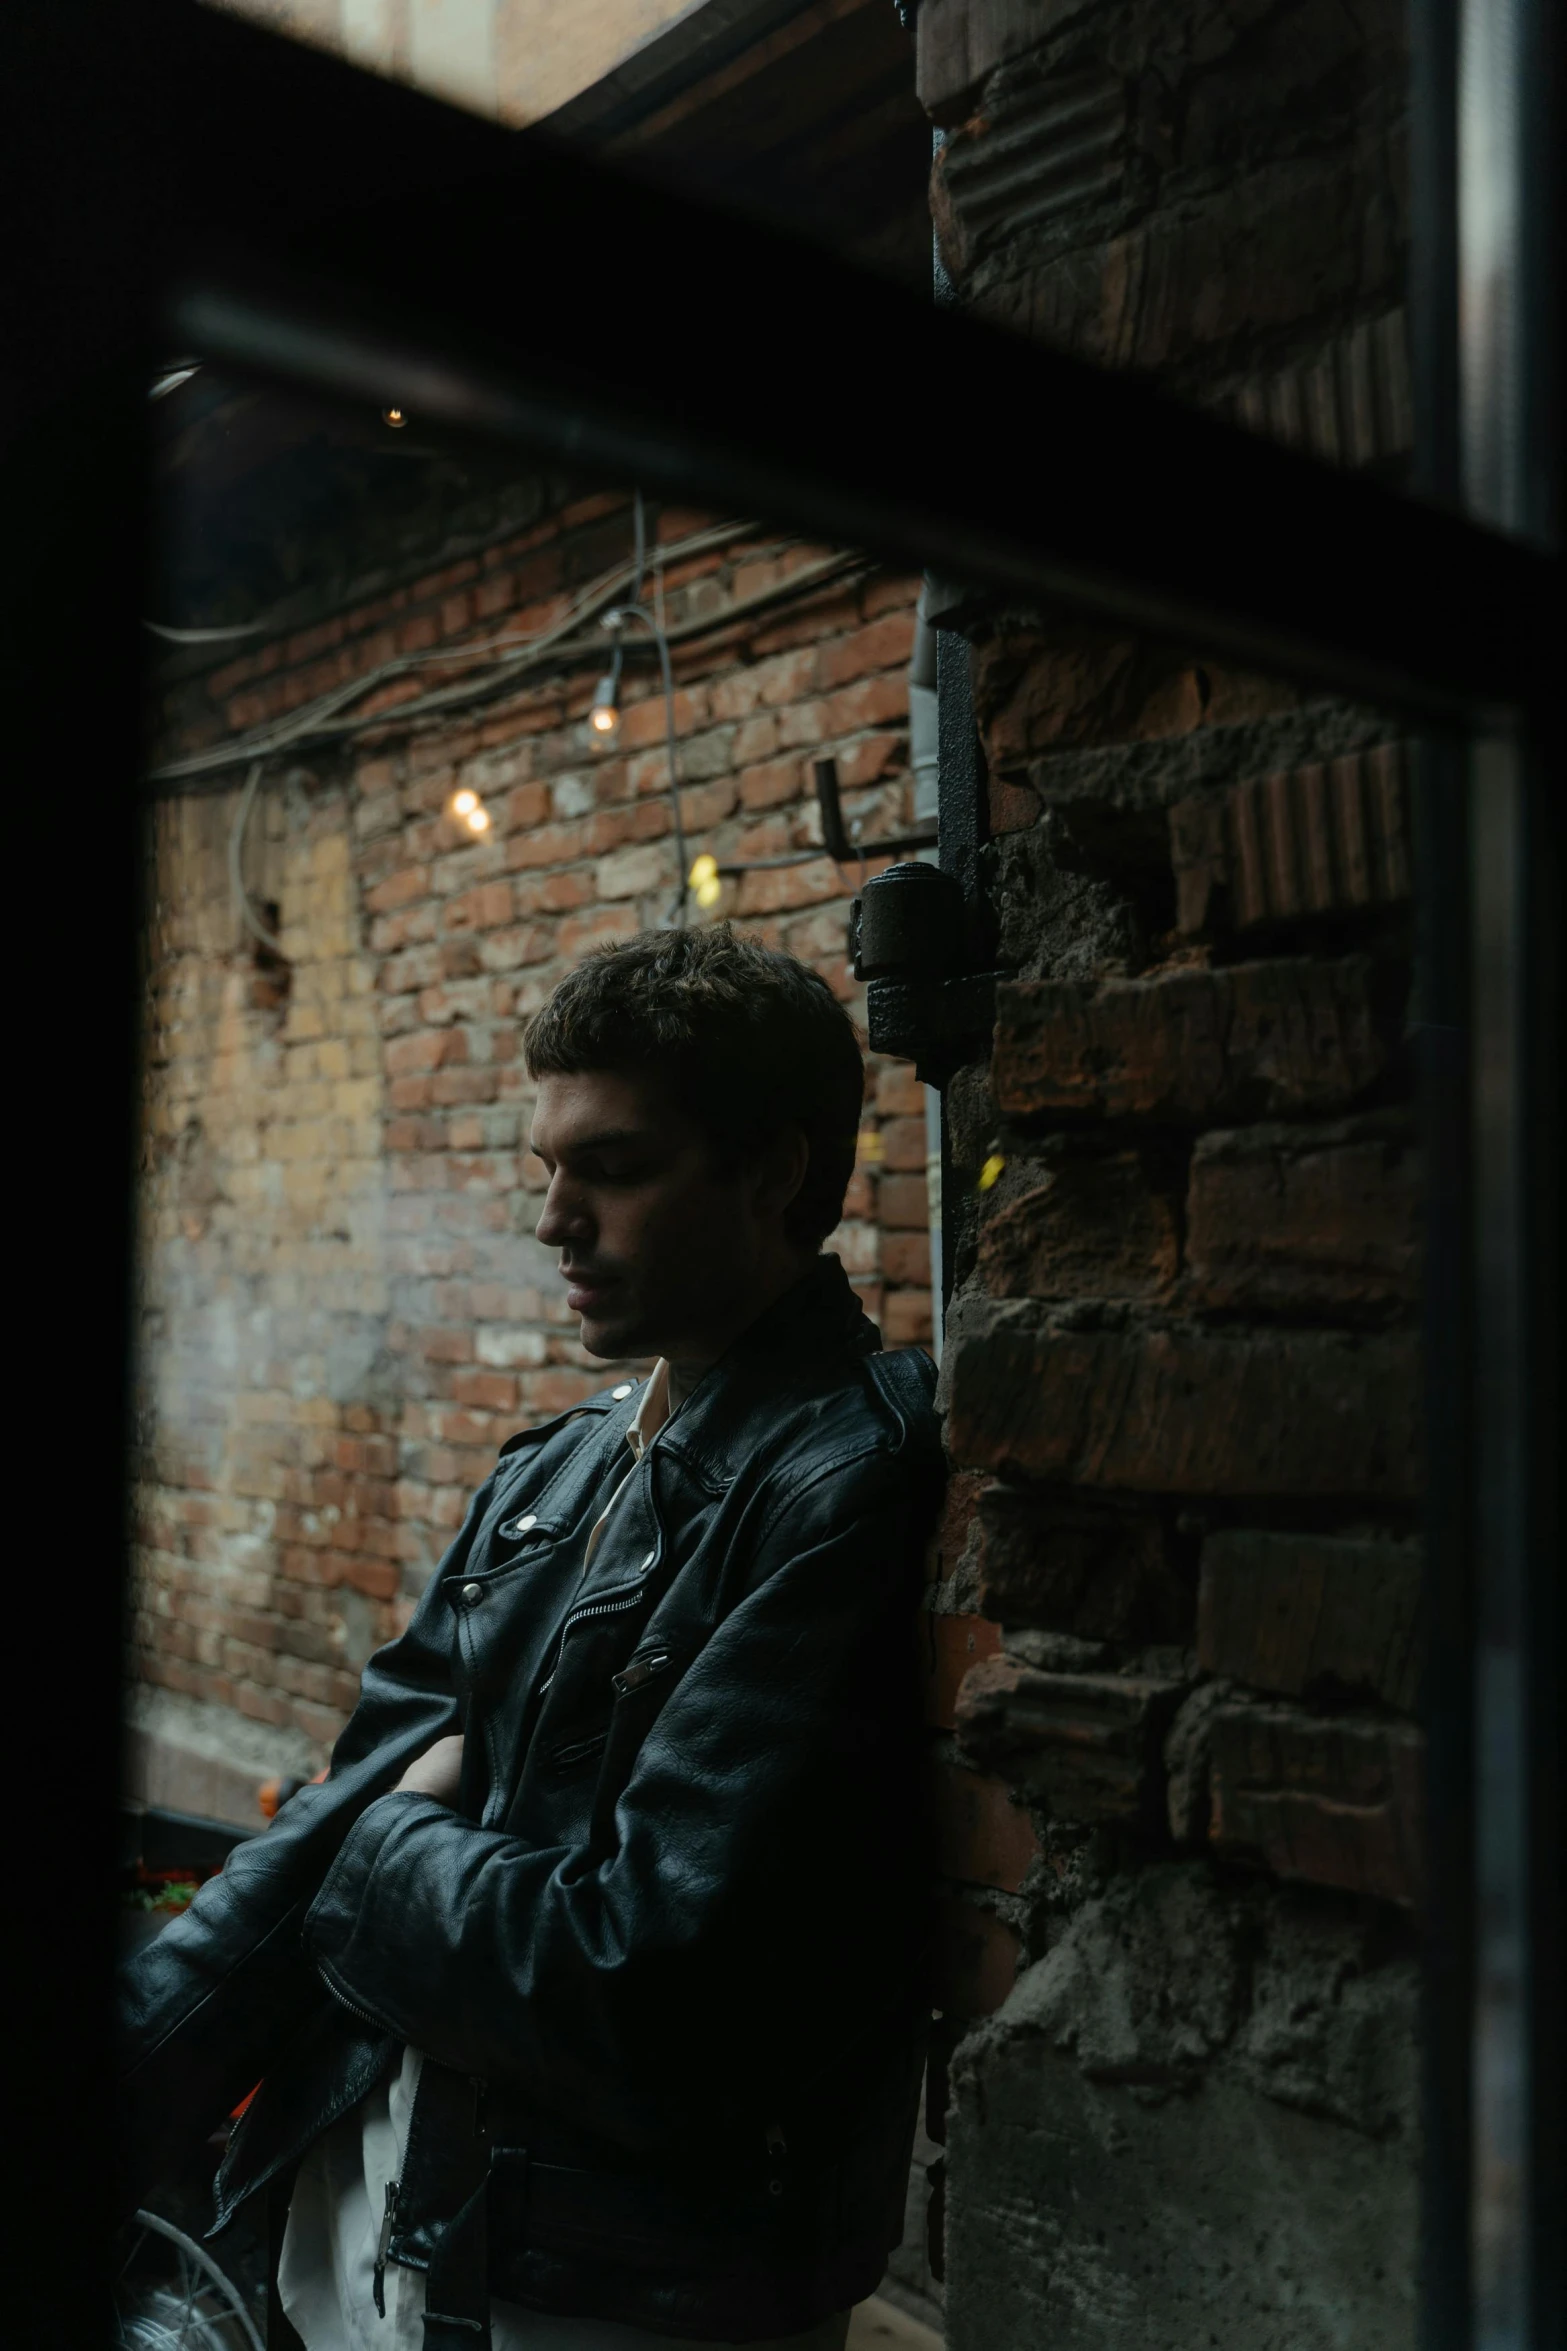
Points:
[[1178, 1583], [344, 1309]]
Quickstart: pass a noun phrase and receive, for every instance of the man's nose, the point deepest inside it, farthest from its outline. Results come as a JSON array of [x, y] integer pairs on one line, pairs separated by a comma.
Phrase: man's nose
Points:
[[565, 1216]]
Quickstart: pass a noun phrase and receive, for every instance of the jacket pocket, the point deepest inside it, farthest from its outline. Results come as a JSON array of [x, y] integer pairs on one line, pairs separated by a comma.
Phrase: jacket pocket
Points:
[[572, 1752]]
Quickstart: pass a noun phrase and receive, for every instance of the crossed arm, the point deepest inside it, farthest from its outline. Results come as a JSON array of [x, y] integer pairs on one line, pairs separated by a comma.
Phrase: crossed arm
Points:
[[437, 1772], [605, 1984]]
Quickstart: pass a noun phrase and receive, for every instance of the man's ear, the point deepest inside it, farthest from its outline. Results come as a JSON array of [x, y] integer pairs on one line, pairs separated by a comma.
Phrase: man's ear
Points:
[[781, 1168]]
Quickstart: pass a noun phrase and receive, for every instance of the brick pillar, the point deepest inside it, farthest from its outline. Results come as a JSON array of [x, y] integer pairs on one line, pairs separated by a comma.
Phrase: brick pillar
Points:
[[1175, 1600]]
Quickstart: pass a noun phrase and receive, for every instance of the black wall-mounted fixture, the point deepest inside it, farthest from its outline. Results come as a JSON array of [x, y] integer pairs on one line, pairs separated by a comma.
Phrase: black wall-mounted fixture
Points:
[[835, 836], [908, 932]]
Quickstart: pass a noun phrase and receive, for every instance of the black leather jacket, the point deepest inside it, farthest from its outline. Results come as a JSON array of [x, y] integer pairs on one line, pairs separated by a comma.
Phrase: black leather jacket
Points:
[[666, 1957]]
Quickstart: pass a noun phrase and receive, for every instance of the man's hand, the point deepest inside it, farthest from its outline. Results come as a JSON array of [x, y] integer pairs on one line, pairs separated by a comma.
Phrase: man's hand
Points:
[[436, 1772]]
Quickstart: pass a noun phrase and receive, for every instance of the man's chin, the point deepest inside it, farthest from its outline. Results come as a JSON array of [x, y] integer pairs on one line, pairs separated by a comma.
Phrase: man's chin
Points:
[[613, 1336]]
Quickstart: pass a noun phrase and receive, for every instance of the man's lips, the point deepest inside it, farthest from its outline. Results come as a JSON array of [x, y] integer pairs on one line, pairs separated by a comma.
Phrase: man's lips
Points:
[[585, 1289]]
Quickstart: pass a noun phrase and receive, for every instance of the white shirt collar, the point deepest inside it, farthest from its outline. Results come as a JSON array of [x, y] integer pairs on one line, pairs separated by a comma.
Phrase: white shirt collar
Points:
[[651, 1412]]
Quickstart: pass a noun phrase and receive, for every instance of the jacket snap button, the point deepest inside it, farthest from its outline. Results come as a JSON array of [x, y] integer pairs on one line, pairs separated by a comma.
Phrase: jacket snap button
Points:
[[528, 1519], [625, 1389], [472, 1592], [647, 1563]]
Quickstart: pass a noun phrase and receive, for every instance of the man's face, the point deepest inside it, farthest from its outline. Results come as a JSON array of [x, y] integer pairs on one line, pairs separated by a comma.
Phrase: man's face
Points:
[[661, 1255]]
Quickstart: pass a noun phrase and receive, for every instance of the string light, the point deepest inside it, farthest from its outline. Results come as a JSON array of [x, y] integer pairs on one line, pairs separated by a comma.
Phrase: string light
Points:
[[990, 1172], [395, 417], [467, 808], [704, 880], [604, 717]]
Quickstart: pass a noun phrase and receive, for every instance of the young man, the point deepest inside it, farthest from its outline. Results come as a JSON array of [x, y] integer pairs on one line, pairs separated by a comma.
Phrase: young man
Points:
[[587, 1990]]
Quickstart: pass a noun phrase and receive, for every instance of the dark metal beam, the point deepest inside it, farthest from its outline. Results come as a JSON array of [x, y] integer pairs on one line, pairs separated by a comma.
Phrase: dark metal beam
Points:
[[288, 214]]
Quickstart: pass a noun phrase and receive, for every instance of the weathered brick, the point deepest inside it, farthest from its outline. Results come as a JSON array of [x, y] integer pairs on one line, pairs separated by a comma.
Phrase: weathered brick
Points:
[[1327, 838], [546, 844], [903, 1144], [483, 908], [632, 873], [952, 1645], [1302, 1614], [1181, 1410], [1296, 1219], [898, 1092], [1093, 1228], [790, 885], [976, 1959], [905, 1257], [1013, 807], [870, 702], [906, 1318], [1333, 1800], [410, 882], [903, 1204], [774, 784], [1064, 1567], [1084, 1746], [981, 1837], [857, 1248], [882, 644], [1081, 685], [1188, 1046], [957, 1527]]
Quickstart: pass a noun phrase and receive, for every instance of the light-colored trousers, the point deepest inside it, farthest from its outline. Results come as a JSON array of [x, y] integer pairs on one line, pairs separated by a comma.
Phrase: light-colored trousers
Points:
[[326, 2277]]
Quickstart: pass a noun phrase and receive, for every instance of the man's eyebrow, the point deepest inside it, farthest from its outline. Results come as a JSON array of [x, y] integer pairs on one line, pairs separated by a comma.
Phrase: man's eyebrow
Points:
[[604, 1139]]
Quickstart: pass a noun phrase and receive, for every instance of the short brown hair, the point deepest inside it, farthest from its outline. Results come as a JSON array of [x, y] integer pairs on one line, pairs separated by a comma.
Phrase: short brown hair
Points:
[[749, 1039]]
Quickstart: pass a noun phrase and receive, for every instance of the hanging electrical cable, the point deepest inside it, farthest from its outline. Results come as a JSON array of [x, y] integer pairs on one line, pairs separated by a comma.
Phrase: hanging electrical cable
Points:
[[174, 636], [237, 830], [498, 669], [604, 712], [616, 620]]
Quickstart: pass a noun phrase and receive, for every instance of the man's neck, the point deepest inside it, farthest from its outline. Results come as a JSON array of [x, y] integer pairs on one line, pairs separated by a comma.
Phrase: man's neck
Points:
[[687, 1368]]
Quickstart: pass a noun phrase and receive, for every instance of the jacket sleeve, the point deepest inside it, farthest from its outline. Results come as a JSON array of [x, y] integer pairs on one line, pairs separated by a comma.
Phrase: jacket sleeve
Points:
[[763, 1854], [206, 2006]]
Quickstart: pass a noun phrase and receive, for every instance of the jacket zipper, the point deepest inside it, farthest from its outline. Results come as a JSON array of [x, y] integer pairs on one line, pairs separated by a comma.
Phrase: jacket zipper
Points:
[[365, 2016], [383, 2245], [640, 1671], [610, 1607]]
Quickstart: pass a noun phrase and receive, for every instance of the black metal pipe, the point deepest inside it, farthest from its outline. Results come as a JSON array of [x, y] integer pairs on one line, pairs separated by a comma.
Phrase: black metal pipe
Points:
[[1444, 1077], [1443, 1063]]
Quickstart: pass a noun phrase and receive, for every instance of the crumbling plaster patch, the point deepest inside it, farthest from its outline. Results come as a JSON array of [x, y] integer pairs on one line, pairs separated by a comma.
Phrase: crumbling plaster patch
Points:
[[1190, 2125]]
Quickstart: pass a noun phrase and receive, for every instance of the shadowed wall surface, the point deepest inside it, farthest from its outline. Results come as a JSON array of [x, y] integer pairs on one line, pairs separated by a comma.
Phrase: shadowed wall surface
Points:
[[344, 1310]]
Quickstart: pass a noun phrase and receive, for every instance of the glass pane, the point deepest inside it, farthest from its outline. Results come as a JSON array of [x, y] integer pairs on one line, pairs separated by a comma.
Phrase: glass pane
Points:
[[1140, 1159], [412, 764]]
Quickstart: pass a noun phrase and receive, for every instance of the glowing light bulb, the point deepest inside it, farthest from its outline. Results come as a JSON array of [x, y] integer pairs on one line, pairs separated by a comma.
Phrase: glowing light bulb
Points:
[[704, 869], [709, 893], [477, 820], [464, 802], [989, 1173], [395, 417], [604, 717]]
